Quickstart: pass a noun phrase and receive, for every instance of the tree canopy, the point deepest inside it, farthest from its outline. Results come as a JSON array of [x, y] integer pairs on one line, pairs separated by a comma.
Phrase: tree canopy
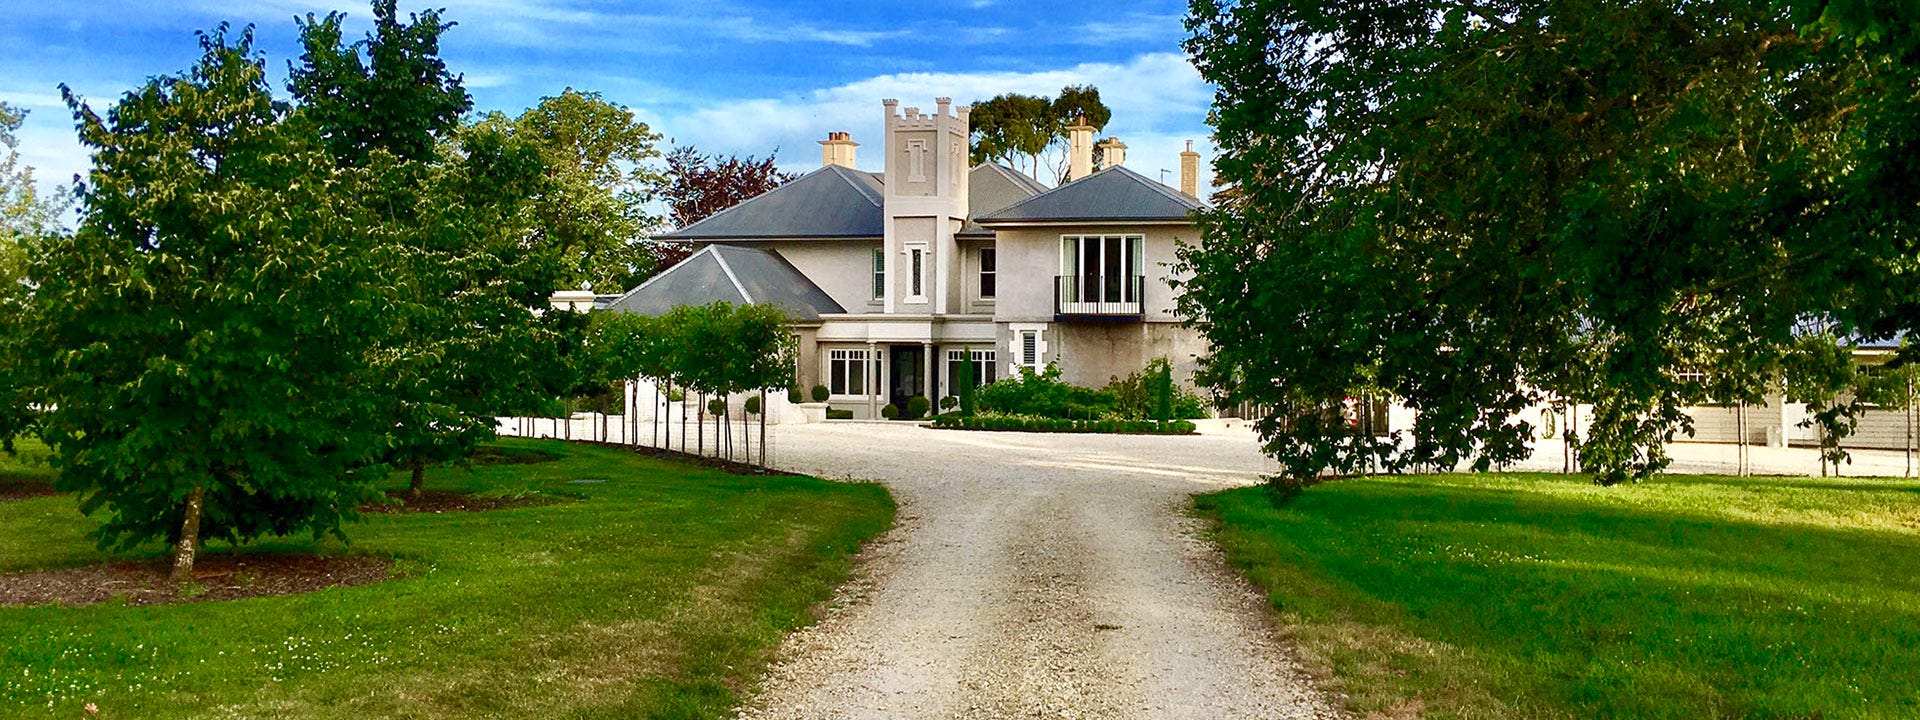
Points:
[[1019, 130], [1476, 208], [700, 185], [598, 158]]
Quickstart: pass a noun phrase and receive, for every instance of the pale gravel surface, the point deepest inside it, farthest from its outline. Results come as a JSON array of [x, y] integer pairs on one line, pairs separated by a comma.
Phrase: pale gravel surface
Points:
[[1043, 576]]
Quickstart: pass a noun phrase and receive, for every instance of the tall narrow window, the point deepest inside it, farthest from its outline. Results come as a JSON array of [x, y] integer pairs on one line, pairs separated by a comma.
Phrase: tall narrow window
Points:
[[879, 273], [917, 258], [1030, 348], [988, 279]]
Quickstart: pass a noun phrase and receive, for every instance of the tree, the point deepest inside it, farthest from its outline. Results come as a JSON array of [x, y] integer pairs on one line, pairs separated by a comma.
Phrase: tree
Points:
[[26, 215], [597, 156], [452, 210], [398, 97], [211, 317], [1482, 207], [700, 185], [1018, 130]]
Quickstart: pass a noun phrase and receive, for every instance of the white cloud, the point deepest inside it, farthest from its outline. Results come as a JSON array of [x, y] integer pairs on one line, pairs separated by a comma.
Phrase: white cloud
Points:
[[1158, 102]]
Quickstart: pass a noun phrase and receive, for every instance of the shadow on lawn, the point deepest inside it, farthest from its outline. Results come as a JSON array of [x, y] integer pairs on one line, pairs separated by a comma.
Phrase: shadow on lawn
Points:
[[1578, 604]]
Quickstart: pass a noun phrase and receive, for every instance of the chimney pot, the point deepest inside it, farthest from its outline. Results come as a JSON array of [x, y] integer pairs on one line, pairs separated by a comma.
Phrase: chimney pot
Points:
[[1113, 153], [837, 149]]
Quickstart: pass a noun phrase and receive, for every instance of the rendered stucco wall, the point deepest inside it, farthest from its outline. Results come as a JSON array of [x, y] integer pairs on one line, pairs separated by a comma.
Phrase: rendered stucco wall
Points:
[[1029, 260], [842, 268]]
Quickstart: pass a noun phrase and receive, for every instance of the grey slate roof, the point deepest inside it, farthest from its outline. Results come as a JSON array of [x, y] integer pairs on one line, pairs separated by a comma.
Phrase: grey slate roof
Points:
[[992, 186], [728, 273], [832, 202], [1115, 193]]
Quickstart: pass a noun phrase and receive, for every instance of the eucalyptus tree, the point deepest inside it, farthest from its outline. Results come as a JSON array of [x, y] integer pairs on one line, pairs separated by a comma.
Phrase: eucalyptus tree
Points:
[[209, 322], [1485, 206]]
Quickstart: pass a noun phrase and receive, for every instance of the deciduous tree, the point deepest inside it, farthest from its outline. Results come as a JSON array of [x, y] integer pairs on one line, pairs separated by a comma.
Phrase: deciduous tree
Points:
[[211, 318], [700, 185], [1480, 207]]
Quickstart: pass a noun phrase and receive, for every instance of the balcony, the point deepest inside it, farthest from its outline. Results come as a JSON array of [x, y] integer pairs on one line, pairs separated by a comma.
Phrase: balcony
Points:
[[1113, 298]]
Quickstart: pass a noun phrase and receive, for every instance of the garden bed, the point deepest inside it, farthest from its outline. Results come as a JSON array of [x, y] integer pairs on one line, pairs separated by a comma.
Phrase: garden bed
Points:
[[215, 577], [1020, 423]]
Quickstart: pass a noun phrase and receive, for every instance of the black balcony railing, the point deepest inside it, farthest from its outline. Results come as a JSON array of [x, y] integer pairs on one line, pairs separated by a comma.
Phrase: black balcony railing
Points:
[[1115, 297]]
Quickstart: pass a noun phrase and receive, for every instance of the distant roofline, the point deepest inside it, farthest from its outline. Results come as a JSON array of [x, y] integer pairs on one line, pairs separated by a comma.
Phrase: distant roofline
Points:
[[838, 171]]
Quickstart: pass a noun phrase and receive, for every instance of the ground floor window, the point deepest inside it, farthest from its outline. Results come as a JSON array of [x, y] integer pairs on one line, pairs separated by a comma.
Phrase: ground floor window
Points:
[[984, 368], [847, 372], [1029, 347]]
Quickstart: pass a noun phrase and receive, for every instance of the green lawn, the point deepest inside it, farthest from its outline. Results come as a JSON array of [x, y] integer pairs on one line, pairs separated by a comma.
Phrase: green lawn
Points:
[[1543, 596], [655, 594]]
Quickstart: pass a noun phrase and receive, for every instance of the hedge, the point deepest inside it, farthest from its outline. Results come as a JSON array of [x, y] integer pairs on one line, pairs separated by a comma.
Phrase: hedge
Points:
[[1026, 423]]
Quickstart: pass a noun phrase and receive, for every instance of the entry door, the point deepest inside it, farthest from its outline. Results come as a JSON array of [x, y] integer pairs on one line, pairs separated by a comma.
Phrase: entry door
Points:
[[909, 368]]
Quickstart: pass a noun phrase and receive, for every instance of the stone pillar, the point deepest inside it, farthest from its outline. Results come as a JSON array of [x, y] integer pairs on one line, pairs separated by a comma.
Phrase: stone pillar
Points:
[[926, 376]]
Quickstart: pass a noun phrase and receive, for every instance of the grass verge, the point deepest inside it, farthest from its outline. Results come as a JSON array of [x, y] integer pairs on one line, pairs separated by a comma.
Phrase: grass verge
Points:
[[657, 590], [1543, 596]]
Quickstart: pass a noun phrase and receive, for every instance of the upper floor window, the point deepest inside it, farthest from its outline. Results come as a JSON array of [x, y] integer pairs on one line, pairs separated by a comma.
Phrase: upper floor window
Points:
[[879, 273], [988, 279], [916, 273], [1102, 268]]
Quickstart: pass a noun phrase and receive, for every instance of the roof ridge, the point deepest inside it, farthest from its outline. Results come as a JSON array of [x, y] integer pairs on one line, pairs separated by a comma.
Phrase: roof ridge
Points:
[[752, 200], [720, 258], [841, 172], [1155, 185], [663, 273]]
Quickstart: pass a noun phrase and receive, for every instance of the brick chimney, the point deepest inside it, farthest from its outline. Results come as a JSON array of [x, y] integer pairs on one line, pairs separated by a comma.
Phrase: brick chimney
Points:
[[1190, 171], [1079, 149], [1113, 153], [837, 149]]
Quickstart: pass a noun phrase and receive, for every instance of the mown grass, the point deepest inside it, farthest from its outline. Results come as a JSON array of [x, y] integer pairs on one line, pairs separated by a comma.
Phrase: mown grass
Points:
[[1543, 596], [657, 593]]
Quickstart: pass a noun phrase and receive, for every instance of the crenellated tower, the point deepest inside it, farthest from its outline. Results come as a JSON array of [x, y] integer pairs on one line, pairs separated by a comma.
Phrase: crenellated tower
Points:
[[926, 203]]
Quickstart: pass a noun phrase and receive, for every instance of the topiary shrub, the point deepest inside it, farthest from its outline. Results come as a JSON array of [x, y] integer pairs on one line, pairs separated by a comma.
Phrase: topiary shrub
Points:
[[717, 406], [833, 414], [821, 393], [752, 405], [917, 407], [793, 395], [948, 403], [890, 412]]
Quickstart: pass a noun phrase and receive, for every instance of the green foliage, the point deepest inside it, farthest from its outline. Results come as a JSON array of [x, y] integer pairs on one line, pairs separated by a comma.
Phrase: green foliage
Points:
[[890, 411], [917, 407], [1044, 394], [453, 210], [793, 395], [833, 414], [211, 320], [1481, 208], [718, 349], [821, 393], [26, 216], [751, 405], [949, 403], [964, 379], [1035, 423], [598, 160], [1013, 127], [389, 91]]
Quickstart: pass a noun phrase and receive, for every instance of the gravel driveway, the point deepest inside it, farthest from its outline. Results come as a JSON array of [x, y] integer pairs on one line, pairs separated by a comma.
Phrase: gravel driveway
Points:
[[1031, 575]]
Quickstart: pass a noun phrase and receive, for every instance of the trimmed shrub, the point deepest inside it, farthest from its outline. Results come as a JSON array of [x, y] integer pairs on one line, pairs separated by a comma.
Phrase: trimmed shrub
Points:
[[1028, 423], [948, 403], [833, 414], [917, 407], [890, 412], [821, 393], [793, 395], [717, 406], [752, 405]]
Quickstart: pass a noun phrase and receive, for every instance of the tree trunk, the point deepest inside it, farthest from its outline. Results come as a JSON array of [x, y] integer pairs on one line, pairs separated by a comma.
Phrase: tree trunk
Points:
[[763, 428], [189, 544], [418, 484]]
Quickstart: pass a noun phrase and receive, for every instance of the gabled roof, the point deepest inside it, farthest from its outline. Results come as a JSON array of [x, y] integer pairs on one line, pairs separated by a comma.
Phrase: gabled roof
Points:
[[727, 273], [832, 202], [990, 187], [1113, 194]]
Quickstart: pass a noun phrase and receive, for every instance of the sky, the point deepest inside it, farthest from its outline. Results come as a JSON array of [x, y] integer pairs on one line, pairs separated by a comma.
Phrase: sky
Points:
[[724, 76]]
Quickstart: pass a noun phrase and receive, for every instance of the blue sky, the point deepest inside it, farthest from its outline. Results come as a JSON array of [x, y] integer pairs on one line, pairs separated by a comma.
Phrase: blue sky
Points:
[[723, 75]]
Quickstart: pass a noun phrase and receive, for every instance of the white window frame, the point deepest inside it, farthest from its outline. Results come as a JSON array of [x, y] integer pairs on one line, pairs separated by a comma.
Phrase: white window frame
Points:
[[1073, 265], [1016, 349], [986, 273], [916, 255], [851, 358], [985, 368]]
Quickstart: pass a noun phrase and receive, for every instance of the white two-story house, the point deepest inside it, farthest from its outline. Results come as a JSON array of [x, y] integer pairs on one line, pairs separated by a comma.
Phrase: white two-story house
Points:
[[896, 278]]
